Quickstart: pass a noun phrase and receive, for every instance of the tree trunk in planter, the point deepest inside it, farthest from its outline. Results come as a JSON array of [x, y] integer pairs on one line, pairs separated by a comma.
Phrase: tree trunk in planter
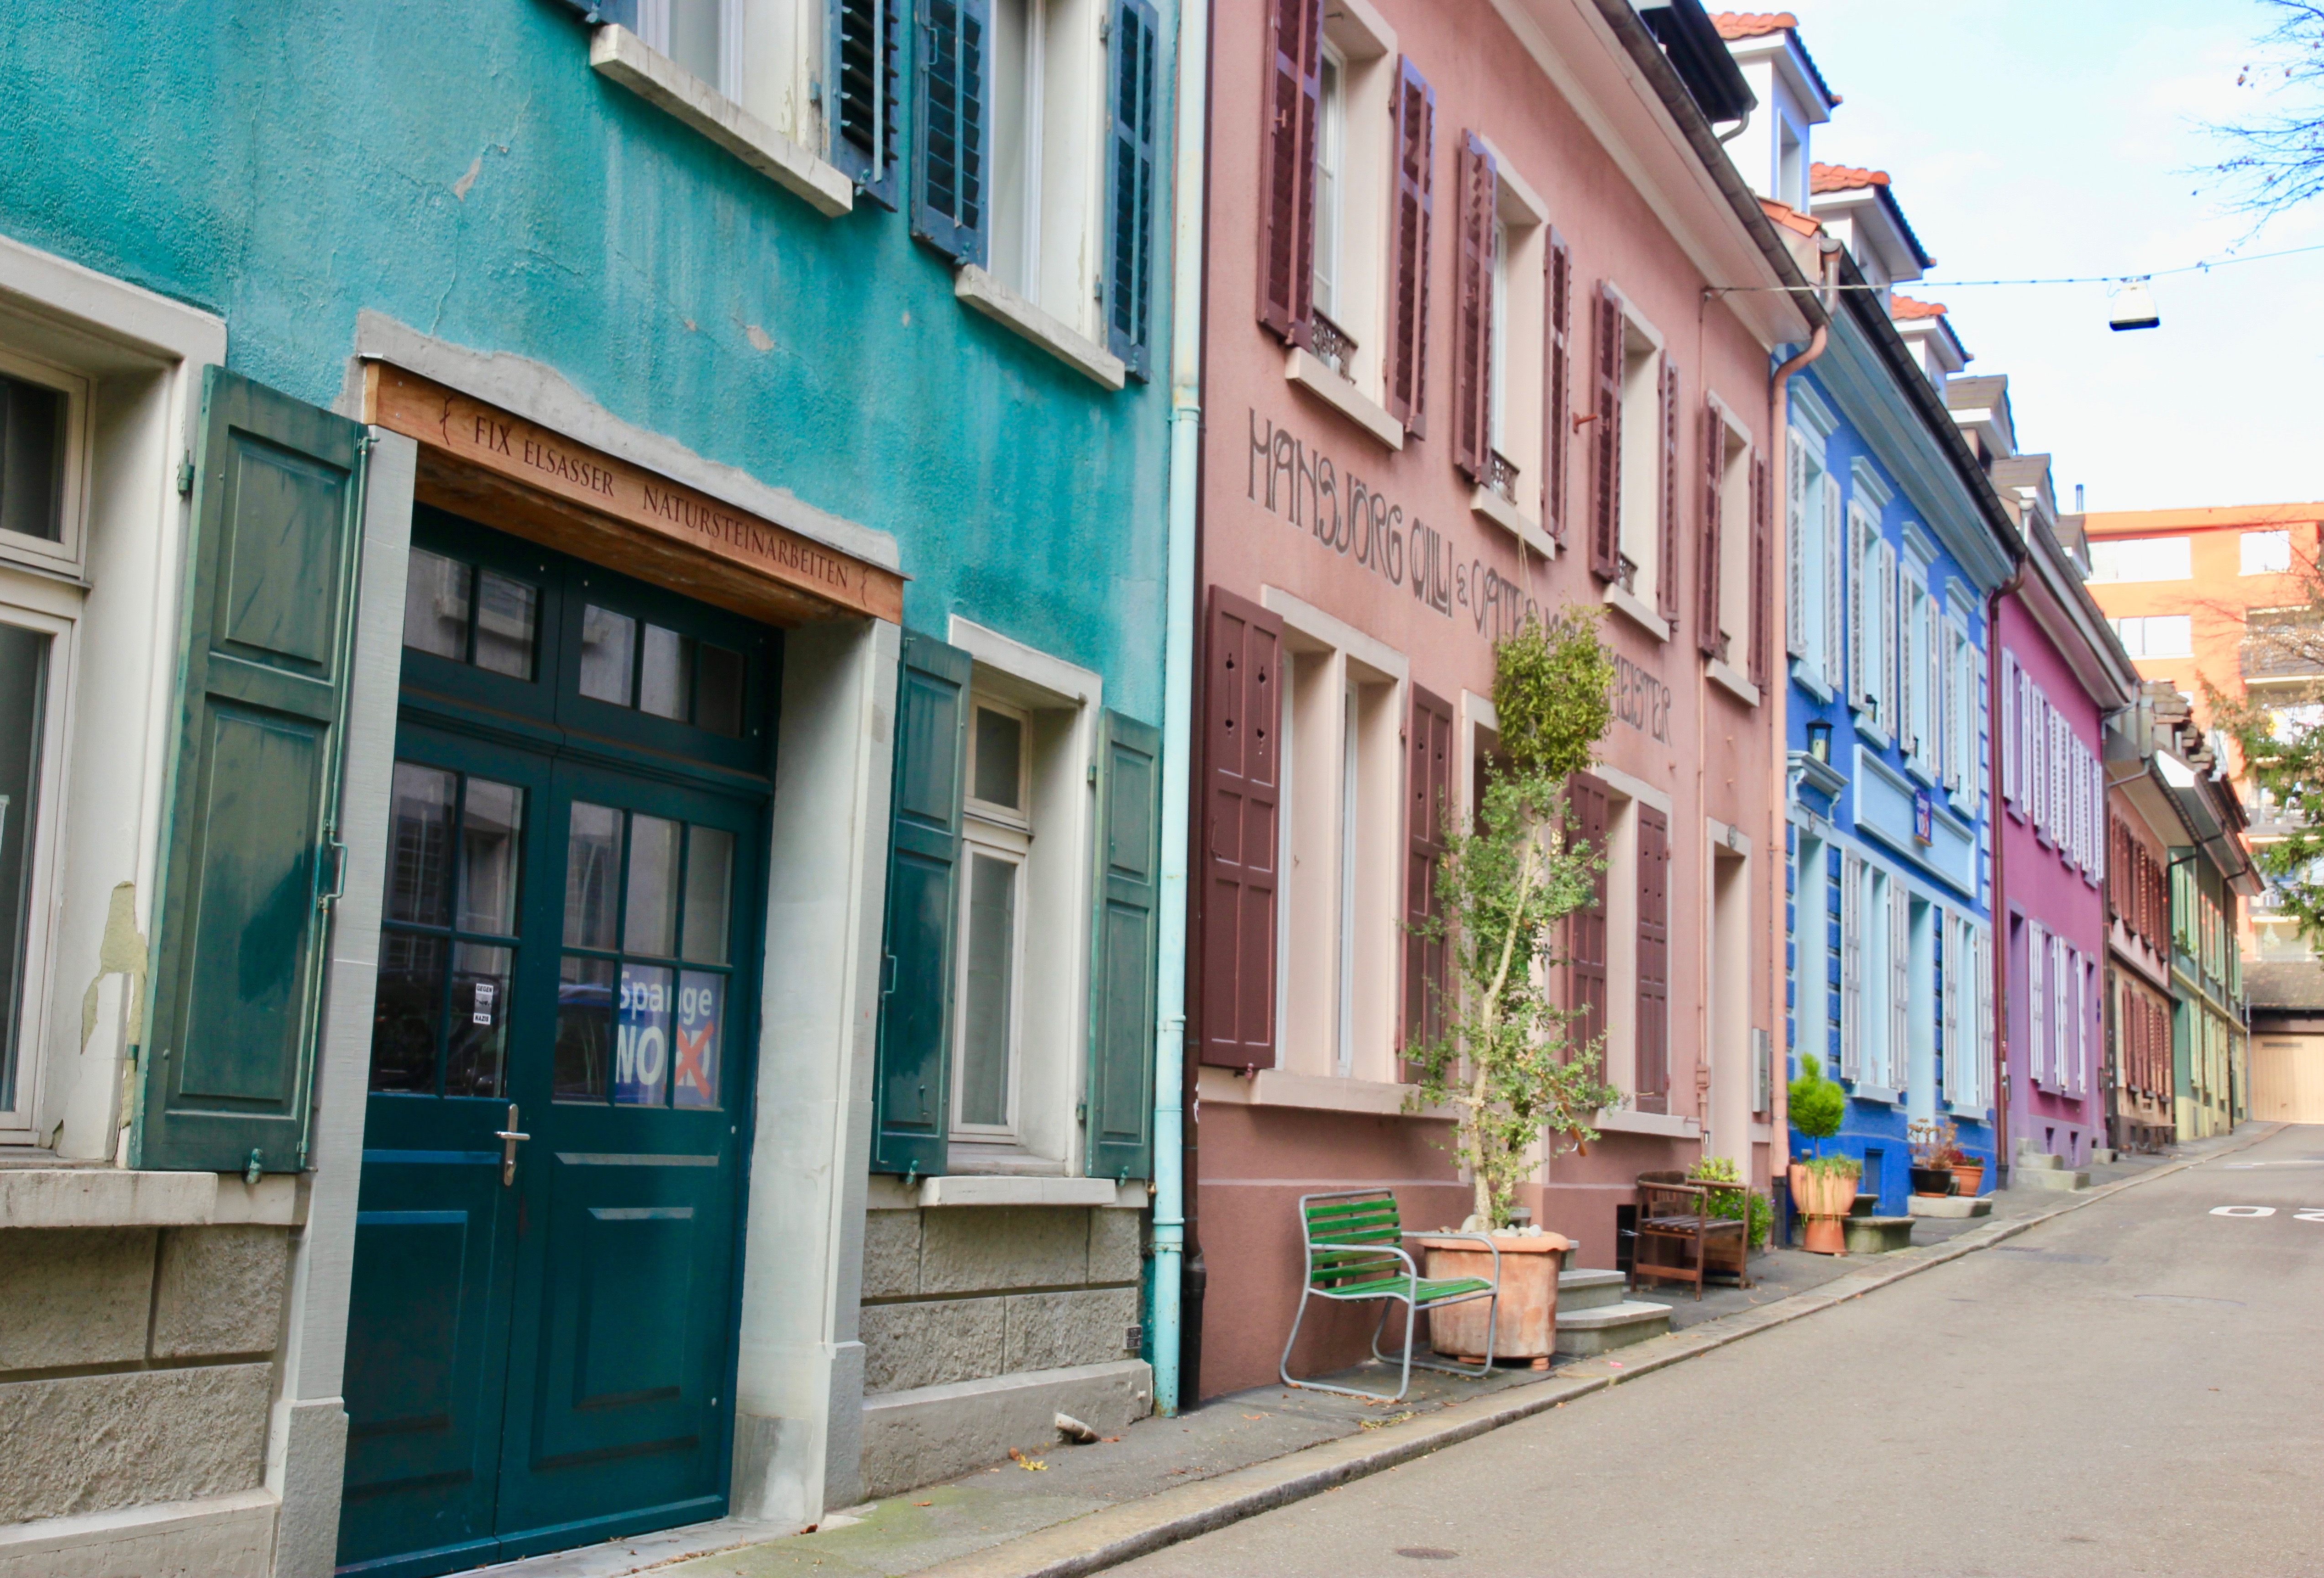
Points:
[[1526, 1324]]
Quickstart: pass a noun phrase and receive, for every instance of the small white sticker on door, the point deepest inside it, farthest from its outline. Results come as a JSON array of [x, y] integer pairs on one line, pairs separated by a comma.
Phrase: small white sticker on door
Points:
[[483, 1015]]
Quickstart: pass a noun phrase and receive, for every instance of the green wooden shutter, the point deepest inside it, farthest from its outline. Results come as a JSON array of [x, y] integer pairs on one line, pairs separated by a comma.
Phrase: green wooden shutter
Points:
[[241, 909], [1123, 1003], [952, 203], [864, 110], [1130, 230], [911, 1085]]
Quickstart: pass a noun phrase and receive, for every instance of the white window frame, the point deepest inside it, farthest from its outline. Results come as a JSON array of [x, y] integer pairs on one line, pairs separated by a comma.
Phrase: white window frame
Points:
[[1517, 373], [40, 603], [2108, 555], [1330, 179], [1638, 523], [64, 556], [1734, 545]]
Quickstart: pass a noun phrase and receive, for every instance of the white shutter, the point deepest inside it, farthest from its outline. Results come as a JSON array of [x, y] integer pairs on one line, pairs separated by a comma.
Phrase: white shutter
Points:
[[1978, 1088], [1938, 658], [1835, 591], [1862, 633], [2081, 1025], [1884, 600], [2061, 1007], [1908, 661], [1984, 739], [1852, 965], [2037, 1004], [2002, 731], [1795, 611], [1900, 985], [1959, 978], [2094, 869]]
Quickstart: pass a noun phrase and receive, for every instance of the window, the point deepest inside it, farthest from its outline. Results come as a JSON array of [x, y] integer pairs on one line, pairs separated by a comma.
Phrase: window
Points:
[[2156, 635], [2140, 559], [1872, 637], [997, 838], [1330, 157], [1635, 523], [1791, 166], [1729, 565], [1497, 365], [29, 683], [2266, 553], [1815, 563], [43, 420], [1813, 1010]]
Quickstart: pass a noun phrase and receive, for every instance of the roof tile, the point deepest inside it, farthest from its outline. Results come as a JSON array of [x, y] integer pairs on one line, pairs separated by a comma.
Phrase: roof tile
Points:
[[1843, 178], [1905, 307], [1790, 218], [1752, 25]]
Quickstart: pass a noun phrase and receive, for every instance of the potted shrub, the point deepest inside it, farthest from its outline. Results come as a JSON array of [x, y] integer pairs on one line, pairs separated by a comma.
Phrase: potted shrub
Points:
[[1505, 1061], [1741, 1203], [1817, 1105], [1934, 1146]]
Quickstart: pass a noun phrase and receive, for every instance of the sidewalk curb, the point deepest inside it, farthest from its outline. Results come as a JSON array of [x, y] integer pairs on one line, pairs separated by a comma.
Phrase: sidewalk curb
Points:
[[1123, 1533]]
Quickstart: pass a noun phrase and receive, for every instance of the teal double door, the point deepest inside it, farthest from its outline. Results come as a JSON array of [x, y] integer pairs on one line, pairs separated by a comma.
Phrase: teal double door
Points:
[[542, 1315]]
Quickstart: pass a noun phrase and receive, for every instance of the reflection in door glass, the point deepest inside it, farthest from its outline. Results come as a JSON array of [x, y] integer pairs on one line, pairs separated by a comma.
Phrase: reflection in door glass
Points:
[[642, 1050], [608, 649], [419, 844], [593, 852], [585, 1028], [478, 1050], [508, 614], [984, 1028], [694, 1073], [719, 690], [405, 1013], [652, 911], [436, 605], [709, 886], [662, 673], [490, 824]]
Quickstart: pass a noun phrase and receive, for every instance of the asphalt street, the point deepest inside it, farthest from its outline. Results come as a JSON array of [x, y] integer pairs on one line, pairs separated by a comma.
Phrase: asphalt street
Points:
[[2136, 1386]]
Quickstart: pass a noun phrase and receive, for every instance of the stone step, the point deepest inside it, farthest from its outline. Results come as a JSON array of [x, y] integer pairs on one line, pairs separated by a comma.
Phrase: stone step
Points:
[[1951, 1206], [1877, 1235], [1583, 1333], [1586, 1289], [2039, 1161], [2048, 1178]]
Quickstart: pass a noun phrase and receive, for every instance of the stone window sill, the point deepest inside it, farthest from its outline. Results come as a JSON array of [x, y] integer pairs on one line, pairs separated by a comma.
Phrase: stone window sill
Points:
[[1303, 367], [1624, 1121], [1003, 1190], [1629, 604], [982, 293], [79, 1196], [1723, 674], [618, 55], [1280, 1087], [1809, 678], [1484, 502]]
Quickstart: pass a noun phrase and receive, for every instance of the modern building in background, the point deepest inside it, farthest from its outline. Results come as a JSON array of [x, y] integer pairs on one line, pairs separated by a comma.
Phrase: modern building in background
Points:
[[505, 508]]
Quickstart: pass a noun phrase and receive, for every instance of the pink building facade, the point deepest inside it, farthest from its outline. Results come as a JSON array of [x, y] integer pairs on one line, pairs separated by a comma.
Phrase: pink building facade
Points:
[[1462, 364]]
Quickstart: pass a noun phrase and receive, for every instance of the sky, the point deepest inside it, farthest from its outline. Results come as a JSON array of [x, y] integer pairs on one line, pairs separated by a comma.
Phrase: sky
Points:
[[2032, 138]]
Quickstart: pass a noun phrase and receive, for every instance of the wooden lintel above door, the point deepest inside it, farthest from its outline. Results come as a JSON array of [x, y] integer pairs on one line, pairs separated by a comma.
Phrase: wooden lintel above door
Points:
[[478, 460]]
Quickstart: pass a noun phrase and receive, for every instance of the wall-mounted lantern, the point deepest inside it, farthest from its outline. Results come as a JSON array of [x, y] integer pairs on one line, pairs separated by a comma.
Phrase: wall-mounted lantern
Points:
[[1819, 740]]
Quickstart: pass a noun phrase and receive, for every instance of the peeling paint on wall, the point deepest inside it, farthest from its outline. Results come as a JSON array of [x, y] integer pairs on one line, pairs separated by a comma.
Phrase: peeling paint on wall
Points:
[[121, 952]]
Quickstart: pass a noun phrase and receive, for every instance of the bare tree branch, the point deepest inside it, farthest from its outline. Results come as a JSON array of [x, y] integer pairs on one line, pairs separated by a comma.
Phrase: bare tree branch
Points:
[[2276, 158]]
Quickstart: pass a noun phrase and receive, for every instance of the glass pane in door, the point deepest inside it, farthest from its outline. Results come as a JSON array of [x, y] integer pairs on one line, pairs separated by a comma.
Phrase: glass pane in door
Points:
[[23, 684]]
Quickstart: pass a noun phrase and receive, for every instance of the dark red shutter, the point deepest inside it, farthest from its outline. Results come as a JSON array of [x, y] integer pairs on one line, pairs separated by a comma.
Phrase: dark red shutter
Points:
[[1667, 570], [1762, 574], [1287, 265], [1653, 961], [1472, 379], [1585, 930], [1242, 776], [1606, 506], [1557, 421], [1428, 783], [1407, 350], [1706, 579]]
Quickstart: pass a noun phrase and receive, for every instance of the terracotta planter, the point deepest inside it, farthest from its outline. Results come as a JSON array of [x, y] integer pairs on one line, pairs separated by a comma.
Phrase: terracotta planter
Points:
[[1825, 1235], [1969, 1178], [1821, 1200], [1525, 1327]]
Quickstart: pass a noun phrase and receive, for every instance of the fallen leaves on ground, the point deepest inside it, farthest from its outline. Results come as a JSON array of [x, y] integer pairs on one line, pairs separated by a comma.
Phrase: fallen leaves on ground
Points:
[[1384, 1423], [1029, 1464]]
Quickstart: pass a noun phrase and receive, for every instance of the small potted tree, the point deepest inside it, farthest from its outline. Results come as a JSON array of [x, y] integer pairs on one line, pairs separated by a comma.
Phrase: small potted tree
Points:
[[1520, 1088], [1823, 1188]]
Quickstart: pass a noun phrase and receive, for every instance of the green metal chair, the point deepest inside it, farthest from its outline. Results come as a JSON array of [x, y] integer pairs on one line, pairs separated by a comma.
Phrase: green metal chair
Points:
[[1355, 1253]]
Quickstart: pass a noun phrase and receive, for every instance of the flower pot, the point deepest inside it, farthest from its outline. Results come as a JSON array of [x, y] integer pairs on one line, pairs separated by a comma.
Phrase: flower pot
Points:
[[1526, 1324], [1825, 1235], [1933, 1181], [1969, 1178], [1825, 1194]]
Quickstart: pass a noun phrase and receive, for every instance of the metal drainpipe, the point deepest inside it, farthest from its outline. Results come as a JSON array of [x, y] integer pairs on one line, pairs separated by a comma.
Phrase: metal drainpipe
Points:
[[1169, 1225], [2000, 910], [1779, 416]]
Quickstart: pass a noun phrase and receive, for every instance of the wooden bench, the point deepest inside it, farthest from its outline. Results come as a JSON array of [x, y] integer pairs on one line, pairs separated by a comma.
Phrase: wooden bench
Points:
[[1674, 1211], [1354, 1254]]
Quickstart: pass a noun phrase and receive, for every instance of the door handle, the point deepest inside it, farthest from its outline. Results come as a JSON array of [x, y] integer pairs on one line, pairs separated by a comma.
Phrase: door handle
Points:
[[509, 1137]]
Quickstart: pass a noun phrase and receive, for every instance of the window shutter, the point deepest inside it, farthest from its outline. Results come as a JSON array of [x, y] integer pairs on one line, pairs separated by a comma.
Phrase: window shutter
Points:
[[1558, 421], [1707, 635], [242, 916], [1795, 546], [1851, 965], [952, 209], [1241, 786], [863, 118], [1900, 982], [1606, 505], [1862, 633], [1131, 188], [2081, 1024], [1123, 939], [1406, 363], [1955, 965], [1586, 934], [1653, 961], [1763, 611], [1667, 602], [1472, 354], [2037, 998], [1286, 281], [1883, 600], [911, 1083], [1980, 1088], [1908, 662], [1428, 779], [1835, 570]]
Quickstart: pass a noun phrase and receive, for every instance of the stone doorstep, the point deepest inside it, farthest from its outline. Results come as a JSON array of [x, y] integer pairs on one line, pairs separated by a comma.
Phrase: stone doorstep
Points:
[[934, 1433], [2049, 1178], [1954, 1206], [1590, 1331], [1877, 1235], [1581, 1290], [2038, 1161]]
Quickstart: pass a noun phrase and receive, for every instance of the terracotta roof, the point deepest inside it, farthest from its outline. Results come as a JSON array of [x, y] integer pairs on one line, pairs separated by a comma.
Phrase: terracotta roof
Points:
[[1789, 217], [1905, 307], [1843, 178], [1752, 25]]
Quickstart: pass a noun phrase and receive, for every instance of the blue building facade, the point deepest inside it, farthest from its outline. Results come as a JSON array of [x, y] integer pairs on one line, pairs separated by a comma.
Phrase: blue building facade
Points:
[[652, 513], [1893, 549]]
